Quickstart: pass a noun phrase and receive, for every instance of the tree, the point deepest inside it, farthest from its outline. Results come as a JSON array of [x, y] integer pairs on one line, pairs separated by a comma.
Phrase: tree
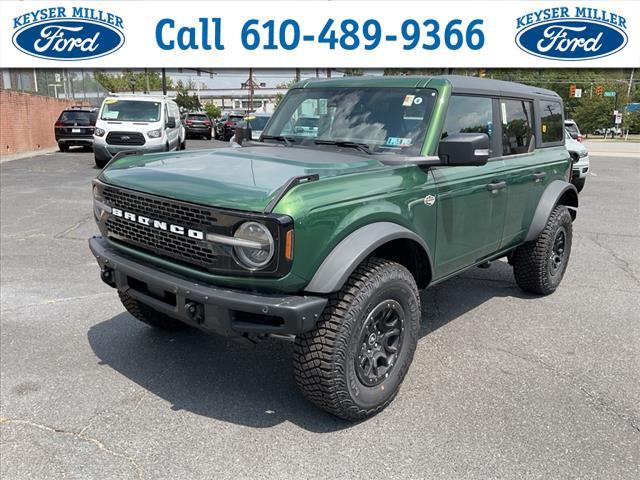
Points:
[[184, 100], [631, 121], [593, 113], [213, 111], [127, 81]]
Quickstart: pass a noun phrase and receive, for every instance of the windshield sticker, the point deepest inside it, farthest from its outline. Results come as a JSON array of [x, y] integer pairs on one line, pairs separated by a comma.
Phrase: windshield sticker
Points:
[[110, 101], [544, 128], [417, 101], [408, 100], [398, 142]]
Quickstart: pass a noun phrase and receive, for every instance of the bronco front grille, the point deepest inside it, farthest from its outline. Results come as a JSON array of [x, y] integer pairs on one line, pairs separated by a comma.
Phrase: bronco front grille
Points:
[[125, 138], [165, 243]]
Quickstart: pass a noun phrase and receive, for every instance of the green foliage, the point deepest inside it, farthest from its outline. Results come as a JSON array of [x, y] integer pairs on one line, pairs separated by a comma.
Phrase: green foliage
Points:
[[213, 111], [184, 100], [127, 80], [593, 113], [631, 120]]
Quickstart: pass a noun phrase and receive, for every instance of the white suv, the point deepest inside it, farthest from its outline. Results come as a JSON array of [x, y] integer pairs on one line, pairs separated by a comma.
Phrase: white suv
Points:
[[137, 122]]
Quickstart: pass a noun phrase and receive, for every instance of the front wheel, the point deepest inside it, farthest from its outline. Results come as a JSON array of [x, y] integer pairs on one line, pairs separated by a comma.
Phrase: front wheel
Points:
[[353, 362], [539, 266]]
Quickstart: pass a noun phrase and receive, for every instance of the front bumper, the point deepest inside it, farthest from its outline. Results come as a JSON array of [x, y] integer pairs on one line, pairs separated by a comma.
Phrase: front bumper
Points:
[[214, 309], [580, 168], [106, 152]]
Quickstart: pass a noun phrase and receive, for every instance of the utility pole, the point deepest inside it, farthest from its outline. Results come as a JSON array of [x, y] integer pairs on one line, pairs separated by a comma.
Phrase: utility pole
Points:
[[317, 73], [297, 74], [146, 78], [630, 83], [251, 87], [164, 81], [328, 73]]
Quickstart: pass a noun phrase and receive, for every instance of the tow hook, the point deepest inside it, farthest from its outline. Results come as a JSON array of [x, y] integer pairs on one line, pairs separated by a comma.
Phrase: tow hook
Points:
[[108, 276], [195, 311]]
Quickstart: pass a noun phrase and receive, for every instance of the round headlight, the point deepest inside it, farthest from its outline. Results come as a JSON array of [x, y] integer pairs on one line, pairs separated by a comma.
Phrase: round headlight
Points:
[[259, 247], [99, 132]]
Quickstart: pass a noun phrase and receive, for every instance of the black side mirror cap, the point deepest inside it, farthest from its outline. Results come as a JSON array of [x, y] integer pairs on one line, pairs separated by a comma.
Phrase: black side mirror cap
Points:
[[171, 122], [464, 149]]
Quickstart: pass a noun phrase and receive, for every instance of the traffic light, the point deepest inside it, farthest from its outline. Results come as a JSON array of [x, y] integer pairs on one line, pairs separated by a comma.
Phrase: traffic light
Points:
[[599, 90], [572, 90]]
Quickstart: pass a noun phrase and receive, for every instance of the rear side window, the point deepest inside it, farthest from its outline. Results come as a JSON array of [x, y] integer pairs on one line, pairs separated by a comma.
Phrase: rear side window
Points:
[[551, 125], [197, 117], [517, 130]]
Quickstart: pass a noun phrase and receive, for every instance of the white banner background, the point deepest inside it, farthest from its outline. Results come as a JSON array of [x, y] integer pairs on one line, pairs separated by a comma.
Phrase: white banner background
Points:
[[141, 49]]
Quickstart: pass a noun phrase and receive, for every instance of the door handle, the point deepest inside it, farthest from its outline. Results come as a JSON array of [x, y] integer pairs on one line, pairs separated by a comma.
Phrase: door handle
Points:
[[539, 176], [494, 187]]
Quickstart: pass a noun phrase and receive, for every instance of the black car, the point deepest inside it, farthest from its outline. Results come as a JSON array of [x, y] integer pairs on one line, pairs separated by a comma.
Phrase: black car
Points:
[[75, 126], [226, 125], [197, 125]]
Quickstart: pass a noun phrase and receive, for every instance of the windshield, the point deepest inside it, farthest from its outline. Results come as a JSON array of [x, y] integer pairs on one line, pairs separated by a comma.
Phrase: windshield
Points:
[[386, 120], [572, 128], [258, 123], [131, 111]]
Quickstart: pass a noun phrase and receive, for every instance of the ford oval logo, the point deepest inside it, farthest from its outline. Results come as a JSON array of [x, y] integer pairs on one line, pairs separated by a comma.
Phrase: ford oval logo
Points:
[[571, 39], [69, 39]]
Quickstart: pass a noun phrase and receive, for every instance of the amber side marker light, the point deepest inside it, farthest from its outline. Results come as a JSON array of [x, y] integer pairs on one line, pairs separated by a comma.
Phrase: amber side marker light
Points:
[[288, 245]]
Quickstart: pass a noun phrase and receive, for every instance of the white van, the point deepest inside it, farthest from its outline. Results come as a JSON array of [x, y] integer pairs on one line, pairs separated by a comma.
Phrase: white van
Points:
[[137, 122]]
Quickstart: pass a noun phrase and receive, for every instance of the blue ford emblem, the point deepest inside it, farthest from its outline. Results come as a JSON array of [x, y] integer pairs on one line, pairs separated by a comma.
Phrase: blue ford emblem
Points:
[[68, 39], [571, 39]]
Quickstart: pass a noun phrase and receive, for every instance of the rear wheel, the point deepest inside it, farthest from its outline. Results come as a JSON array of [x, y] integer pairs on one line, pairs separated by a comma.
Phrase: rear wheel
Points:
[[353, 362], [539, 266], [148, 315], [183, 144], [63, 147]]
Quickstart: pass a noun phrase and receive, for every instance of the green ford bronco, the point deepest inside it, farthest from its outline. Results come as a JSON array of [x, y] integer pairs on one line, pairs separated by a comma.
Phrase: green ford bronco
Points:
[[325, 234]]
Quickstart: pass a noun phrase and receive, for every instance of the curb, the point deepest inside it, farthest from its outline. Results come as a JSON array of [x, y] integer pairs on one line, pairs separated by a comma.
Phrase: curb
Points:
[[30, 154]]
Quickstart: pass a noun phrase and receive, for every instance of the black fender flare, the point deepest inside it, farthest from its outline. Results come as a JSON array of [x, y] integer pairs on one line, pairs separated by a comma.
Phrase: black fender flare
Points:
[[552, 196], [353, 249]]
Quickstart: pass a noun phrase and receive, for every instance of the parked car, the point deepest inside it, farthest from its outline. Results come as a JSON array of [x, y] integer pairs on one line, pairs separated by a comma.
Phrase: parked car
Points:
[[327, 239], [141, 123], [257, 121], [573, 129], [306, 126], [226, 124], [197, 125], [580, 158], [75, 126]]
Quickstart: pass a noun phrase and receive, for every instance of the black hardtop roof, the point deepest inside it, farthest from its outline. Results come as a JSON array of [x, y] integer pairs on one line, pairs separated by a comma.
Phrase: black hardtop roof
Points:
[[475, 85], [460, 84]]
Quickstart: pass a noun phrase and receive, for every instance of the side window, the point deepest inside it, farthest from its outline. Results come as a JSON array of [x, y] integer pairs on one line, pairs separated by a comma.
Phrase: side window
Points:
[[551, 125], [517, 129], [468, 114]]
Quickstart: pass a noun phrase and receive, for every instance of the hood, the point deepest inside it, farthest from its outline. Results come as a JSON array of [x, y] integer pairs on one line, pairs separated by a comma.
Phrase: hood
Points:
[[244, 178]]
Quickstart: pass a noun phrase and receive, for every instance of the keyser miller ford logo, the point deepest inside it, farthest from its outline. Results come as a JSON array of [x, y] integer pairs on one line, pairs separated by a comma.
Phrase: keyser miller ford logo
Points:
[[61, 33], [555, 34]]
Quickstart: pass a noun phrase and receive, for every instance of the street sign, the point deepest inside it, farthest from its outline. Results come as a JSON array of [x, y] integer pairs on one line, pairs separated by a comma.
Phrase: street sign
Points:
[[618, 119], [609, 94], [578, 93]]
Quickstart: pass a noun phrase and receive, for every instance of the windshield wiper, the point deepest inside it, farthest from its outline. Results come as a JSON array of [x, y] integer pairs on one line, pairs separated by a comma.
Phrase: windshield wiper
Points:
[[279, 138], [338, 143]]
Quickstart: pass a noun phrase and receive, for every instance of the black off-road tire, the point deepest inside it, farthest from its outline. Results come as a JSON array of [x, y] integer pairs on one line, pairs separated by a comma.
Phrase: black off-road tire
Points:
[[535, 264], [579, 183], [63, 147], [148, 315], [100, 162], [326, 358]]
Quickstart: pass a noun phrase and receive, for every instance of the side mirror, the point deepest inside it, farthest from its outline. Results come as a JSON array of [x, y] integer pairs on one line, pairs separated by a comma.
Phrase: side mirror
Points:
[[242, 133], [171, 122], [471, 149]]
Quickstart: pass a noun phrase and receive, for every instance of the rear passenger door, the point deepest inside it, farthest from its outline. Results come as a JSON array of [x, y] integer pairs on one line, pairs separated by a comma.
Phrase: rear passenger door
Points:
[[524, 171], [471, 201]]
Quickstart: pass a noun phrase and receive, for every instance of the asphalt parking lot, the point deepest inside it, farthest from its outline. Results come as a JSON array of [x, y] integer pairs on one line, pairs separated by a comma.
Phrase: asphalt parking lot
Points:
[[503, 385]]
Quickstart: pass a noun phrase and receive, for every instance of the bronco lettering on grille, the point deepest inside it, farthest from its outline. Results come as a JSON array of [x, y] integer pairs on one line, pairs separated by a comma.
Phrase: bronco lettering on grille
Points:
[[149, 222]]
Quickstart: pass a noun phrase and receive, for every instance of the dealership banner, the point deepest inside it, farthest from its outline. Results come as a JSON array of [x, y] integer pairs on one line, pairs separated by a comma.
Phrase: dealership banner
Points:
[[367, 34]]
